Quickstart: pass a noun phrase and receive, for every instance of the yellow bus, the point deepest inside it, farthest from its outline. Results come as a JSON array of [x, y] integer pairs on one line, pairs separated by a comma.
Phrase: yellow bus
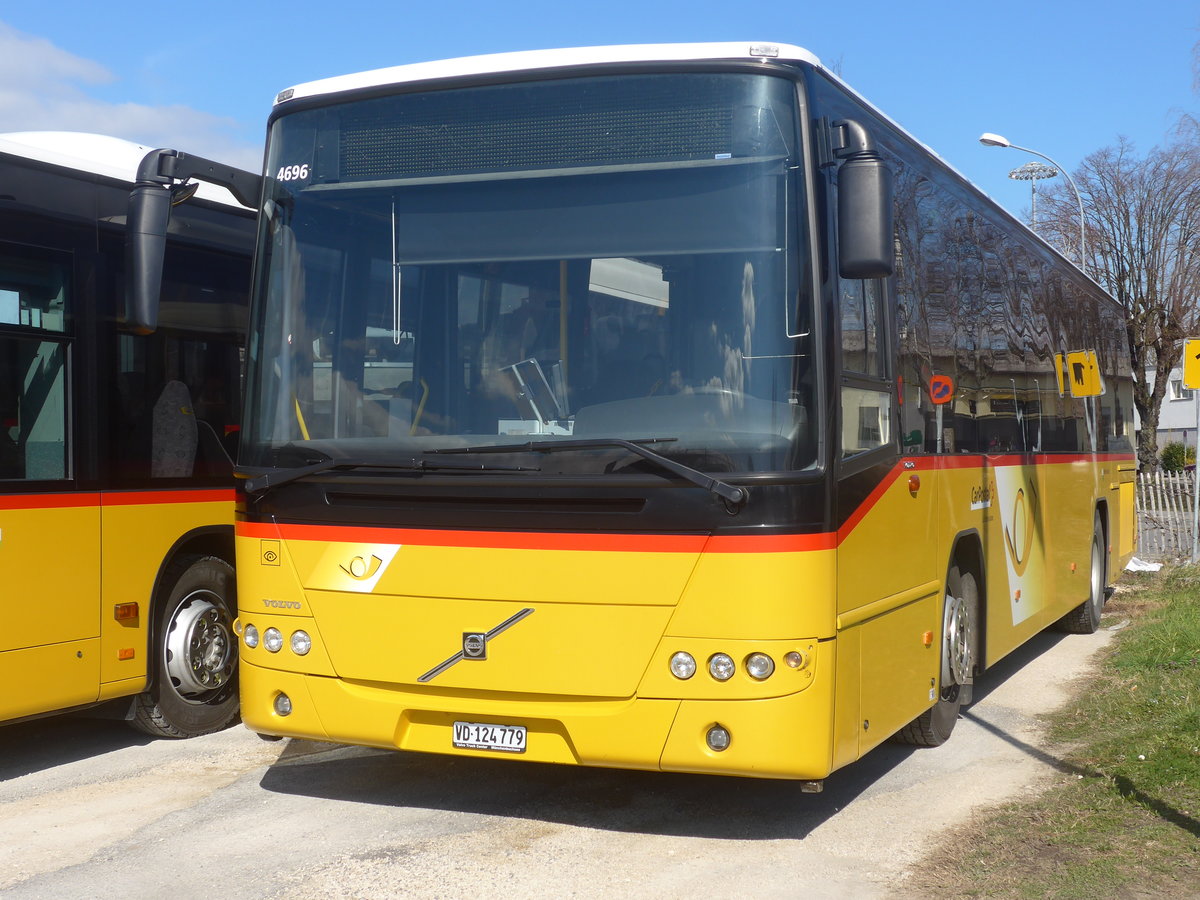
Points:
[[116, 487], [658, 407]]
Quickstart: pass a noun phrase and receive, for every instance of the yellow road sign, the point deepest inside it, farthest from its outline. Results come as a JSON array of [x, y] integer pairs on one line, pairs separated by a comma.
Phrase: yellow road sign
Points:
[[1191, 363], [1083, 374]]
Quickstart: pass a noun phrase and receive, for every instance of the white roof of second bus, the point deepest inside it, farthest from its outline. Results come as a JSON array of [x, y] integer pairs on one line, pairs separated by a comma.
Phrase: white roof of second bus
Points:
[[97, 154], [547, 59]]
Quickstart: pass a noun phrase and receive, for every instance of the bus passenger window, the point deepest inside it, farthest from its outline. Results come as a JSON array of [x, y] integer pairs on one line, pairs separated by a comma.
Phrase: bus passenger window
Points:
[[33, 409], [866, 396], [33, 392], [866, 416]]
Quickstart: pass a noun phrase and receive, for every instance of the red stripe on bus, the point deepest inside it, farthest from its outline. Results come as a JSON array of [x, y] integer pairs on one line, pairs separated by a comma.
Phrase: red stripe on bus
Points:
[[144, 498], [48, 501], [975, 461], [770, 543], [115, 498], [528, 540]]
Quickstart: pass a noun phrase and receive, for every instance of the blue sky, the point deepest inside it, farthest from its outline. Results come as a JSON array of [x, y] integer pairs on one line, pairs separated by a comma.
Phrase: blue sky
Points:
[[1064, 77]]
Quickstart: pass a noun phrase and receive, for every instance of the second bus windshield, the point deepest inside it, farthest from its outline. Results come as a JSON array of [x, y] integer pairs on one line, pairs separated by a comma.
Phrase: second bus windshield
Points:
[[598, 258]]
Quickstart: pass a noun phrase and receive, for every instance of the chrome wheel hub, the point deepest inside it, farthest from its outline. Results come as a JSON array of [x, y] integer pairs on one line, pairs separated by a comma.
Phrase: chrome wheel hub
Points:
[[199, 650], [957, 641]]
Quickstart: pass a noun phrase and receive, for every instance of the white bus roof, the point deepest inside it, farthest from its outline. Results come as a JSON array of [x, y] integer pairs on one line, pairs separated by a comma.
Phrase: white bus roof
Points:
[[96, 154], [526, 60]]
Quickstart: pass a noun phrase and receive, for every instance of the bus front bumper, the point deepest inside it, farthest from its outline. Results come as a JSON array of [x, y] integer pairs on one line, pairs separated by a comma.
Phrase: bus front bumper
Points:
[[780, 737]]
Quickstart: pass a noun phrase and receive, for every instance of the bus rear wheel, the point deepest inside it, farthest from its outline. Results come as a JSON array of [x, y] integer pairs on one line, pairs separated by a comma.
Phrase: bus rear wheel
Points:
[[193, 688], [960, 640], [1085, 618]]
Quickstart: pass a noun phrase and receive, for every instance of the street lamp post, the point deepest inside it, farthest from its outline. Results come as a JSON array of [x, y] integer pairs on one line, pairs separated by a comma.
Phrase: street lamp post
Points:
[[1033, 172], [994, 140]]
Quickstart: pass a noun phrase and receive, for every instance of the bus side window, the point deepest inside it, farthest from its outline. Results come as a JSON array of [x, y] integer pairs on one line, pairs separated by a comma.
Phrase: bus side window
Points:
[[866, 395], [32, 409], [33, 366]]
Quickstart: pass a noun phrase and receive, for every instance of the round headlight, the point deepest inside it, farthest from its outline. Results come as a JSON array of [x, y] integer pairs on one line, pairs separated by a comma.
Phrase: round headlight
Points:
[[250, 636], [683, 665], [759, 666], [283, 704], [797, 659], [301, 642], [720, 666], [273, 640]]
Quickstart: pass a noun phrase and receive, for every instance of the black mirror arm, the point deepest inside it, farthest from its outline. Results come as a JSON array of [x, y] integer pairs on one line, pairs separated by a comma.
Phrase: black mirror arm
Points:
[[165, 167]]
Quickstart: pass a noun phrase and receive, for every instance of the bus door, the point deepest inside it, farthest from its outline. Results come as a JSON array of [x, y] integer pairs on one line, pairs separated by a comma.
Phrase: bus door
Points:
[[49, 534], [887, 579]]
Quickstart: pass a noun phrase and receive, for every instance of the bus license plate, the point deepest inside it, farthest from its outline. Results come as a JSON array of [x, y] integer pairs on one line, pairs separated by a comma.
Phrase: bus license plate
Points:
[[489, 736]]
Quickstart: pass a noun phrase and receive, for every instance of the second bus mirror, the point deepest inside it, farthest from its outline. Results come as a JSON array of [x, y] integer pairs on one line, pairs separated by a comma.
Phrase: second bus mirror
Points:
[[145, 246], [865, 196]]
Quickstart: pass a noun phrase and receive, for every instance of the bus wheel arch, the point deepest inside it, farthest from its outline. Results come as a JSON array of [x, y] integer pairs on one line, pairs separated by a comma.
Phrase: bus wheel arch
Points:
[[192, 648], [960, 643]]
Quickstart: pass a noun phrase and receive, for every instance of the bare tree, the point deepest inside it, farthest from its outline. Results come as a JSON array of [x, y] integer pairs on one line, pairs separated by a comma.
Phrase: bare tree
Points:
[[1143, 245]]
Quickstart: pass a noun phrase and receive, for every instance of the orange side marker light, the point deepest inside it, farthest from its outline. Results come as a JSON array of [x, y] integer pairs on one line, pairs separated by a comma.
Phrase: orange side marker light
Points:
[[927, 639], [125, 653], [124, 612]]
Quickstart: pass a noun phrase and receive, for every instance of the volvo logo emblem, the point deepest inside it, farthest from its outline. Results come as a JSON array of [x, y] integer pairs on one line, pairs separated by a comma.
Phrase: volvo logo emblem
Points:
[[474, 645]]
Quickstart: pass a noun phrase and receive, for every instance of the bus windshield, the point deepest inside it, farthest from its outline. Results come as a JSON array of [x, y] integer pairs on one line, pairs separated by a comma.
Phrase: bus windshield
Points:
[[580, 259]]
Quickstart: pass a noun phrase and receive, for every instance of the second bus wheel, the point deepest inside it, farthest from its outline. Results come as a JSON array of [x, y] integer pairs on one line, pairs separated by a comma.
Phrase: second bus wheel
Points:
[[193, 688], [1085, 618]]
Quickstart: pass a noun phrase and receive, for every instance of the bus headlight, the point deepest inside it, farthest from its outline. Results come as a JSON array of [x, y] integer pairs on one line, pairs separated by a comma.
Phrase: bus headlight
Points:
[[683, 665], [273, 640], [301, 642], [759, 666], [721, 666], [250, 636]]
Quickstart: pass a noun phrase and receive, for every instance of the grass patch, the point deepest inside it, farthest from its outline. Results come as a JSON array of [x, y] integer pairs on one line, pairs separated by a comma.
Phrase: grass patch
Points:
[[1123, 818]]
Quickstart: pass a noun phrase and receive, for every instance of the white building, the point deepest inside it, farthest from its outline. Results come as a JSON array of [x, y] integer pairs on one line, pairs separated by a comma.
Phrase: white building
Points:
[[1177, 415]]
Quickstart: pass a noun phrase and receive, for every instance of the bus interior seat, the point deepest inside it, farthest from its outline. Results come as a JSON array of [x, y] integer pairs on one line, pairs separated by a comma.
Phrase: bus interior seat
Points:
[[173, 435]]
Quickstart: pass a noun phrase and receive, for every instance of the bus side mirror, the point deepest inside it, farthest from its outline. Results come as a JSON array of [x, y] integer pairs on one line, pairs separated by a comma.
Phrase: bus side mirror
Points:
[[145, 246], [161, 182], [865, 207]]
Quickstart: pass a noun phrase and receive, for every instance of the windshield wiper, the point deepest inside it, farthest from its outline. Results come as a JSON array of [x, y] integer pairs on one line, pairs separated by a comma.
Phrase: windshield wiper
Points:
[[260, 480], [721, 488]]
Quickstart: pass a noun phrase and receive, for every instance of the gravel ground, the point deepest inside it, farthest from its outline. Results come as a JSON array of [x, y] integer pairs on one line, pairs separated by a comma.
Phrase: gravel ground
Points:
[[89, 808]]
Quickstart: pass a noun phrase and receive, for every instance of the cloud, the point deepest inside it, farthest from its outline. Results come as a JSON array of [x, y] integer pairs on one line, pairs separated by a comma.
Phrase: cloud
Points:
[[45, 88]]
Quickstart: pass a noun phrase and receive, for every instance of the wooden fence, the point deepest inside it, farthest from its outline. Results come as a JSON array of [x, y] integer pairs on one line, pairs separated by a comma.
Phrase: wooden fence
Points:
[[1164, 515]]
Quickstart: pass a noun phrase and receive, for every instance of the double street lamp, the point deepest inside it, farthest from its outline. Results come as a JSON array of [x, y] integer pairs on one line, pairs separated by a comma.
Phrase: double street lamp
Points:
[[994, 140]]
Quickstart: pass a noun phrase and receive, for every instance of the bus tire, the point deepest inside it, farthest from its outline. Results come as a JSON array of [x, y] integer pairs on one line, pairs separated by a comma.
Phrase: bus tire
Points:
[[959, 653], [1085, 618], [193, 687]]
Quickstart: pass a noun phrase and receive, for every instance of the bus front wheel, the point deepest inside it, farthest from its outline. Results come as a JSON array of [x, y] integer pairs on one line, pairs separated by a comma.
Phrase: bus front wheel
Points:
[[193, 687], [959, 642]]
